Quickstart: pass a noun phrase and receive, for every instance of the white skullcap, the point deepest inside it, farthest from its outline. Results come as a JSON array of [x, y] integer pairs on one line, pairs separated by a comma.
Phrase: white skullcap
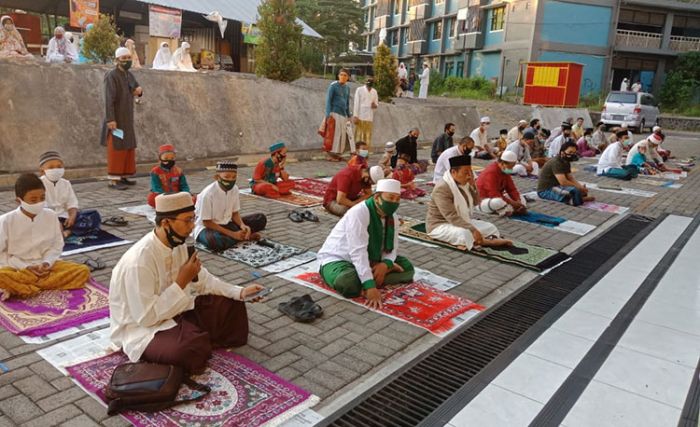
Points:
[[389, 186], [185, 45], [59, 29], [485, 119], [656, 129], [509, 156], [389, 146], [522, 122], [655, 139], [376, 173], [122, 51], [174, 203]]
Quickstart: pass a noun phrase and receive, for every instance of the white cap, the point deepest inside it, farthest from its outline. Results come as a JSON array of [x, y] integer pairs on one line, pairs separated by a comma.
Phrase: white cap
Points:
[[655, 139], [509, 156], [376, 173], [185, 45], [389, 146], [389, 186], [522, 122], [485, 119], [121, 52], [174, 203], [656, 129]]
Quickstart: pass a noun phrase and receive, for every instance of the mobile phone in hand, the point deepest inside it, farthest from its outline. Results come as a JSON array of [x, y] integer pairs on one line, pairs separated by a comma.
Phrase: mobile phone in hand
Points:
[[261, 293]]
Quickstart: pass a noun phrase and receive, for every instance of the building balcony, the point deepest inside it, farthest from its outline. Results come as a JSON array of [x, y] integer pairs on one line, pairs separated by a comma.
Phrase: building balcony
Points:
[[638, 39], [684, 44]]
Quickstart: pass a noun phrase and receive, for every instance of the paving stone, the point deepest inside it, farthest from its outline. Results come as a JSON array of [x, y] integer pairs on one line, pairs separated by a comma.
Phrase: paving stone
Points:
[[59, 399], [384, 339], [328, 380], [281, 361], [6, 421], [359, 353], [62, 383], [7, 391], [288, 373], [352, 363], [342, 372], [115, 421], [313, 387], [14, 375], [46, 370], [80, 421], [55, 417], [336, 347], [34, 387], [280, 346], [92, 407], [24, 360], [20, 408]]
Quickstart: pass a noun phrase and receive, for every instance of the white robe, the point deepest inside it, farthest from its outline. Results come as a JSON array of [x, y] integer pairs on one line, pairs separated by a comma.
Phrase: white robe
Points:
[[182, 61], [163, 59], [54, 56], [424, 83], [25, 242], [60, 196], [611, 158], [442, 164], [651, 155], [215, 204], [362, 105]]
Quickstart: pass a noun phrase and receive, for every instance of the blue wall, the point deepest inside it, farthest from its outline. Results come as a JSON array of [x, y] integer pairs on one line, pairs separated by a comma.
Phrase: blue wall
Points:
[[486, 65], [434, 45], [576, 24], [491, 38], [593, 68]]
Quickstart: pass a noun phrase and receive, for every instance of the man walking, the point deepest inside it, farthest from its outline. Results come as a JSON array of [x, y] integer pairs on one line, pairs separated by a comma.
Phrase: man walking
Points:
[[366, 101]]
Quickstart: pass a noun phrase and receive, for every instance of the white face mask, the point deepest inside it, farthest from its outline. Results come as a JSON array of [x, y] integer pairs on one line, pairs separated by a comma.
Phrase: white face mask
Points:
[[363, 153], [34, 209], [54, 174]]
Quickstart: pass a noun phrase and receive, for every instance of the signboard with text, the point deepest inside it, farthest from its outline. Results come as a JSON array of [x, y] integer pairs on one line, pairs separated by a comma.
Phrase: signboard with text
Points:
[[164, 22], [83, 12]]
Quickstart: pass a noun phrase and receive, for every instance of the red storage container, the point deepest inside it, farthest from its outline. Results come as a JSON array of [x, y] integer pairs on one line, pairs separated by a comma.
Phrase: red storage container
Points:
[[553, 84]]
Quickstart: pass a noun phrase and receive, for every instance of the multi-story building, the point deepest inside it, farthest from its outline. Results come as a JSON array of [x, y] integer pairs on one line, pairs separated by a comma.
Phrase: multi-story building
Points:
[[613, 39]]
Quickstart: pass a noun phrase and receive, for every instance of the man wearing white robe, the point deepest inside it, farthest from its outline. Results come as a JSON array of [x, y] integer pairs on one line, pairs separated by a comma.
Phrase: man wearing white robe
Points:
[[366, 101], [450, 209], [442, 165], [424, 82]]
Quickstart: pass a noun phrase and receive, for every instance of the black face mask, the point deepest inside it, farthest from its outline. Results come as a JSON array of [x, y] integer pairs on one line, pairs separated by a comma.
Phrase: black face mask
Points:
[[571, 157], [450, 132], [174, 239], [167, 164]]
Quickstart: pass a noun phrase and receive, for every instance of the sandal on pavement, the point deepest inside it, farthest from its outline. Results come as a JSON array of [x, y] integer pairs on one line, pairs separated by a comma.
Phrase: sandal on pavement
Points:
[[298, 309], [295, 216], [127, 181], [117, 186], [116, 221], [95, 264], [309, 216]]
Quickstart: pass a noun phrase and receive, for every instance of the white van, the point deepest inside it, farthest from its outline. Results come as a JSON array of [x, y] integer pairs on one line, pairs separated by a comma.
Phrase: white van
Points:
[[638, 110]]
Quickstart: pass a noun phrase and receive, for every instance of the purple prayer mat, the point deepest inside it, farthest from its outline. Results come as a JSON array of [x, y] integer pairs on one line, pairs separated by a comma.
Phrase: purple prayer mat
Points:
[[242, 394], [53, 311]]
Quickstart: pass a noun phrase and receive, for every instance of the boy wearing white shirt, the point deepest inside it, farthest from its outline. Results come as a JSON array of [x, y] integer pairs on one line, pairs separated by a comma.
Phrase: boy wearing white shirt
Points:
[[30, 245], [60, 196]]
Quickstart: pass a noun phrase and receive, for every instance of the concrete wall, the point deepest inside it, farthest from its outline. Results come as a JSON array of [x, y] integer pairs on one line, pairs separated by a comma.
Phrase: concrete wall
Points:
[[205, 115], [560, 23]]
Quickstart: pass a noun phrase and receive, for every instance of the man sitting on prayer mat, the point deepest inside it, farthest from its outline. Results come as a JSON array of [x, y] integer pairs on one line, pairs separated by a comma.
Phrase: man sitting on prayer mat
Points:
[[266, 173], [350, 186], [464, 147], [556, 181], [164, 306], [360, 253], [219, 223], [497, 191], [450, 208], [166, 177], [30, 244]]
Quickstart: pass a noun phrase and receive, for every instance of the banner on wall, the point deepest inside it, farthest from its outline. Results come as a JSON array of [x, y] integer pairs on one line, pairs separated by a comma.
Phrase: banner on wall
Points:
[[164, 22], [83, 12]]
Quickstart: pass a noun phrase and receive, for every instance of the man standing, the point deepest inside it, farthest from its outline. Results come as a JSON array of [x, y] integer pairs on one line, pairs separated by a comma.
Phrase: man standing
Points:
[[424, 81], [516, 132], [497, 191], [360, 254], [637, 86], [556, 181], [337, 113], [366, 101], [442, 142], [118, 133]]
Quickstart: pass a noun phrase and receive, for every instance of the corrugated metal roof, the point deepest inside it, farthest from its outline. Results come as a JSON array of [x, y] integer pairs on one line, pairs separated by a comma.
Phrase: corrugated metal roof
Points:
[[237, 10]]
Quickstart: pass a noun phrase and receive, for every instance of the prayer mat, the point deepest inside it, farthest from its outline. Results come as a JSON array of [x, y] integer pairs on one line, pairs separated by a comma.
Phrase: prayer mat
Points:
[[294, 199], [141, 210], [312, 187], [536, 258], [555, 223], [53, 311], [605, 207], [255, 254], [619, 190], [416, 303], [242, 394], [91, 242], [291, 262], [657, 183]]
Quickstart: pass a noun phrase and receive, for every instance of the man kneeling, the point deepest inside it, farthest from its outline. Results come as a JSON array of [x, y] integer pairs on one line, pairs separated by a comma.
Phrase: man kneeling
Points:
[[164, 306], [451, 205], [360, 253]]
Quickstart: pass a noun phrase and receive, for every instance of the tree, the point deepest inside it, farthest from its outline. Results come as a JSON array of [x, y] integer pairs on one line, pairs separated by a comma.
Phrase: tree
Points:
[[386, 77], [101, 41], [277, 56], [683, 82]]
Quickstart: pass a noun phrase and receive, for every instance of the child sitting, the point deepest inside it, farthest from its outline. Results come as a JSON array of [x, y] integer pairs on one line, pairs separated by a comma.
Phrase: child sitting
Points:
[[405, 175], [385, 161], [584, 144], [266, 174], [639, 160], [30, 245], [60, 196], [166, 177], [359, 158], [502, 142]]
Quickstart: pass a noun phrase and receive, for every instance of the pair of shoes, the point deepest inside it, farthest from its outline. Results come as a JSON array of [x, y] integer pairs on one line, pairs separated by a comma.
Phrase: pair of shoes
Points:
[[117, 186], [127, 182], [301, 216], [301, 309], [116, 221], [94, 264]]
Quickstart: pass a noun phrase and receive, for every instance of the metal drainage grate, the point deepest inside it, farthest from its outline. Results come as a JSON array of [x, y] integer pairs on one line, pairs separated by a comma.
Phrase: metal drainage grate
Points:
[[411, 397]]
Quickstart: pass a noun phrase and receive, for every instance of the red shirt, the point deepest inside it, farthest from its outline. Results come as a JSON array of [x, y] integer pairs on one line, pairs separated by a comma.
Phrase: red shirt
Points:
[[404, 175], [348, 181], [492, 183]]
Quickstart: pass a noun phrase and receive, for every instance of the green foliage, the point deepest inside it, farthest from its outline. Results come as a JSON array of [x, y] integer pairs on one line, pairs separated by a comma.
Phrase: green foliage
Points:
[[277, 56], [101, 41], [458, 87], [311, 56], [386, 77], [592, 101], [682, 86]]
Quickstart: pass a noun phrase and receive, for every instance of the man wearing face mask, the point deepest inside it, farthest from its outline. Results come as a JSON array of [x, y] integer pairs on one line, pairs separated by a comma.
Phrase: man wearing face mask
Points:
[[409, 145], [480, 136], [558, 142], [611, 162], [464, 147], [360, 255], [516, 132], [349, 187], [366, 101], [31, 244], [525, 165], [164, 306], [118, 133], [497, 191], [60, 48], [219, 223], [166, 177], [442, 142], [269, 177], [449, 218], [556, 181]]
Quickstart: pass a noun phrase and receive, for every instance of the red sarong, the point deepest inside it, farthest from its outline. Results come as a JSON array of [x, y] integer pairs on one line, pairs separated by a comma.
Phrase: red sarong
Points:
[[120, 162], [327, 131]]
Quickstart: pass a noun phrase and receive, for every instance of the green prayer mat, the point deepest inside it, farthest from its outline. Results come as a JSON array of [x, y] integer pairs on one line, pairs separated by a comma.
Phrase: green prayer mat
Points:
[[537, 258]]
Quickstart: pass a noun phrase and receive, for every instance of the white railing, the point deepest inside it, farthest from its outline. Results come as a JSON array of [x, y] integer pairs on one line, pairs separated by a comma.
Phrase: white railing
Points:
[[638, 39], [684, 44]]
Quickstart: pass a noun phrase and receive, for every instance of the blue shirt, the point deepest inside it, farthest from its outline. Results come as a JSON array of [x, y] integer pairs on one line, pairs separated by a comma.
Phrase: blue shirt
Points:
[[338, 99]]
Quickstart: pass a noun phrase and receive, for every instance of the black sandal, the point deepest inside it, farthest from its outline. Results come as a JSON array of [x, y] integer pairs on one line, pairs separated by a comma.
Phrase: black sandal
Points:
[[116, 221], [95, 264], [301, 309], [309, 216], [295, 216]]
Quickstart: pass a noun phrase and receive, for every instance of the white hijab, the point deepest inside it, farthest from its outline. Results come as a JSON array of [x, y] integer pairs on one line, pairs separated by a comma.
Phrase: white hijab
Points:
[[403, 73], [182, 60], [464, 207], [163, 58]]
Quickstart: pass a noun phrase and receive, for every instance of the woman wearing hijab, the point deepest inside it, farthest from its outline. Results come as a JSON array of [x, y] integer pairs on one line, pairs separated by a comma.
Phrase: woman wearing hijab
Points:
[[182, 61], [403, 78], [11, 43], [61, 50], [164, 58], [135, 62]]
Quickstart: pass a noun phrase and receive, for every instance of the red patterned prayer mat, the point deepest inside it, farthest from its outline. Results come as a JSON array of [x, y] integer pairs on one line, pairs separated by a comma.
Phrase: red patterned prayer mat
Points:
[[310, 186]]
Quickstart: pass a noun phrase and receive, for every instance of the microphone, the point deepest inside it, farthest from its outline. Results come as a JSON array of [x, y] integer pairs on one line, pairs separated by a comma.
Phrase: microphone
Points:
[[189, 242]]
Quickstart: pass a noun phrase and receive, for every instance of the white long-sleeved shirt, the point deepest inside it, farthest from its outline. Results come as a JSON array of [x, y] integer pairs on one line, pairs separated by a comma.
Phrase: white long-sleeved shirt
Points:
[[611, 158], [349, 239], [522, 151], [25, 241], [144, 297], [362, 108], [514, 134], [443, 162], [215, 204], [555, 146], [651, 155], [480, 138], [60, 196]]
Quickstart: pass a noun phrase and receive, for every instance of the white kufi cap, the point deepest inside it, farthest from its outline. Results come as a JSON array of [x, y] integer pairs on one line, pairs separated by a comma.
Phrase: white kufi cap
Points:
[[389, 186], [485, 119], [121, 52], [376, 173], [509, 156]]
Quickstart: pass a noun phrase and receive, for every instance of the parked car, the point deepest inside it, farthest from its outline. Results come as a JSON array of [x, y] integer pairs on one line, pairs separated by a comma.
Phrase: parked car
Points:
[[638, 110]]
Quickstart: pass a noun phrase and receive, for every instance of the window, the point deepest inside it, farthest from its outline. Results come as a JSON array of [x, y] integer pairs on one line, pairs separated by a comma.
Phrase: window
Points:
[[453, 27], [622, 98], [404, 36], [437, 30], [460, 69], [449, 69], [397, 7], [497, 18]]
